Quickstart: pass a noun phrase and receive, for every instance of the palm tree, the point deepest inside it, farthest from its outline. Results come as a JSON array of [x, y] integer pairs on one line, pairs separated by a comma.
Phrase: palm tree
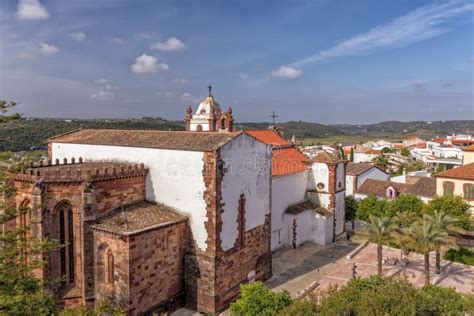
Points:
[[378, 230], [381, 161], [445, 223], [403, 220], [425, 236]]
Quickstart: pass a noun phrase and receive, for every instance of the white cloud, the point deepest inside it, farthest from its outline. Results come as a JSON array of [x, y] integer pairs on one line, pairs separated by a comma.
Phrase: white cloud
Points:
[[24, 55], [418, 25], [31, 10], [48, 49], [118, 40], [102, 81], [78, 36], [181, 81], [103, 95], [147, 64], [287, 72], [172, 44]]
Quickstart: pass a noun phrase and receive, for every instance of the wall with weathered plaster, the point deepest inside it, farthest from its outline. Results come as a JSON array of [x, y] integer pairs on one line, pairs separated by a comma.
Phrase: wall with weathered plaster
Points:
[[247, 170]]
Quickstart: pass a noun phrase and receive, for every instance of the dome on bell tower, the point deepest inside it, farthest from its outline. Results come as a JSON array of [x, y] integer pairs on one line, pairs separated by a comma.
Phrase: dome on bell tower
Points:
[[208, 106]]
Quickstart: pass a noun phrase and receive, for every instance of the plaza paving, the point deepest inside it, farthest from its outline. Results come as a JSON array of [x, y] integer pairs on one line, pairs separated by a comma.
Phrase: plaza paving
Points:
[[297, 269]]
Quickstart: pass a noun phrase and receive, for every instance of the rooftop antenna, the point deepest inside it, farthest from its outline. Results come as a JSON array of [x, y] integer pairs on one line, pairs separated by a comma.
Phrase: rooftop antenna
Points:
[[273, 116]]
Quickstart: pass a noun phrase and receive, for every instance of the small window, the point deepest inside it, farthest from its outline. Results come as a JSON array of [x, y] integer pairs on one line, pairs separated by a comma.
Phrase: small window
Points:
[[320, 186], [339, 185], [110, 267], [199, 128], [469, 191], [448, 188]]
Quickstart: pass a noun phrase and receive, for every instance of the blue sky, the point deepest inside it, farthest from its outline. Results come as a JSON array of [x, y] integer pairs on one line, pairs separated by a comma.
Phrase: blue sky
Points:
[[327, 61]]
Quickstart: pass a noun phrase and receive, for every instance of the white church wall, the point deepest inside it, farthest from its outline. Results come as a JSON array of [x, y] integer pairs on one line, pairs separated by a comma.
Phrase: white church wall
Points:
[[287, 190], [323, 229], [340, 176], [195, 122], [248, 171], [304, 224], [350, 185], [175, 177], [319, 174]]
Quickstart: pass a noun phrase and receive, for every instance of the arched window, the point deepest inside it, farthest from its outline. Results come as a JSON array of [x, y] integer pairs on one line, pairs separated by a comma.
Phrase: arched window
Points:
[[110, 267], [448, 188], [241, 220], [66, 239], [469, 191], [199, 128], [390, 193], [223, 123], [24, 213]]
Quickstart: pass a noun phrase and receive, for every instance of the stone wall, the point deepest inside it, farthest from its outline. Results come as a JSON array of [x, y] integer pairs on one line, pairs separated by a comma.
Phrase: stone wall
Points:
[[157, 268], [112, 193]]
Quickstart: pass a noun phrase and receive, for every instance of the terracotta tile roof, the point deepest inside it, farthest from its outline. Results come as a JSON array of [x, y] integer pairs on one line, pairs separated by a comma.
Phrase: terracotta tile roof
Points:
[[136, 217], [462, 141], [307, 205], [288, 160], [379, 187], [398, 145], [468, 148], [356, 168], [269, 137], [425, 187], [193, 141], [439, 140], [465, 172], [325, 157]]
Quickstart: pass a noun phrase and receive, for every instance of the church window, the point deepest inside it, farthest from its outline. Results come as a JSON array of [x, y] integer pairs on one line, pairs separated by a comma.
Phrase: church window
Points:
[[199, 128], [110, 267], [320, 185], [223, 123], [66, 239], [448, 188], [339, 185], [390, 193]]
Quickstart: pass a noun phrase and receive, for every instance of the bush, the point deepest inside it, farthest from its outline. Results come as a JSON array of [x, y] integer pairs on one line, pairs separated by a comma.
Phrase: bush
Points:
[[371, 205], [377, 295], [305, 307], [405, 203], [453, 205], [256, 299], [461, 255]]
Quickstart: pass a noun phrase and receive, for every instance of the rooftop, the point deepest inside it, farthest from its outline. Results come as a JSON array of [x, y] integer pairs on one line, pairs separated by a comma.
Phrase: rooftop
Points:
[[307, 205], [357, 168], [175, 140], [468, 148], [137, 217], [465, 172], [288, 160], [425, 186], [379, 187], [269, 137], [325, 157]]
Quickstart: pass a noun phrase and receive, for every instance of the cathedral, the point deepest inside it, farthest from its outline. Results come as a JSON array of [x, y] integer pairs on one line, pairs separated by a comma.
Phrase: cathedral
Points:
[[157, 220]]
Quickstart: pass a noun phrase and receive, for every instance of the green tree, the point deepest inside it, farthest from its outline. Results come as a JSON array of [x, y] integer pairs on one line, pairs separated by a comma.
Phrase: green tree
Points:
[[425, 237], [386, 150], [403, 220], [405, 152], [452, 205], [446, 223], [371, 205], [382, 162], [351, 209], [4, 108], [351, 157], [378, 230], [256, 299], [405, 203]]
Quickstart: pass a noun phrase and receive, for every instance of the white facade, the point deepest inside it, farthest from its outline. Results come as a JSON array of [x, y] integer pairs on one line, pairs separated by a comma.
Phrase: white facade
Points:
[[353, 182], [287, 190], [363, 157], [246, 171]]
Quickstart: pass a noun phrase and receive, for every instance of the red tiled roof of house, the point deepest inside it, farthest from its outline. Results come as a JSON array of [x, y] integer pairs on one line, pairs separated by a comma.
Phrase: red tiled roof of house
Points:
[[468, 148], [357, 168], [462, 141], [439, 140], [421, 145], [398, 146], [268, 137], [379, 187], [465, 172], [288, 160], [325, 157]]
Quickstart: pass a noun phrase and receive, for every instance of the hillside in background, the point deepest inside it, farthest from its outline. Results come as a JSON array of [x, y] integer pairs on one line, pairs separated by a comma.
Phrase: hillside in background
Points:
[[25, 133]]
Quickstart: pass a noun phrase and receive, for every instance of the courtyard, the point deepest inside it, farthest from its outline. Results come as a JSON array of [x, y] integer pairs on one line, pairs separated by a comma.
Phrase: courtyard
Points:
[[298, 269]]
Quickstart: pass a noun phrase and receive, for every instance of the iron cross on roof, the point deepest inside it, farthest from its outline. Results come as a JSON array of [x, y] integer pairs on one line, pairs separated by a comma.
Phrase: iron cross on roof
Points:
[[273, 116]]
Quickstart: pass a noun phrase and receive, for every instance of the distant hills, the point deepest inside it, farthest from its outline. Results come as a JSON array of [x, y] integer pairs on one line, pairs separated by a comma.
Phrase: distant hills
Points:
[[26, 133]]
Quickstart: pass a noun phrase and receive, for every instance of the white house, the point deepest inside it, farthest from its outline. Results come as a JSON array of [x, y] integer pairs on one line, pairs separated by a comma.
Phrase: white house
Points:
[[358, 173]]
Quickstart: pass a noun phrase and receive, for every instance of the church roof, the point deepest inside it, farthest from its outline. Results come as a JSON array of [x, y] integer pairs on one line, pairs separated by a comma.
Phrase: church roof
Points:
[[137, 217], [288, 160], [175, 140], [207, 106], [325, 157], [268, 137]]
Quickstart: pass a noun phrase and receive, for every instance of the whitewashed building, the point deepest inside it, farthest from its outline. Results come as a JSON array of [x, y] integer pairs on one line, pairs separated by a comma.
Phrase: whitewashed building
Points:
[[358, 173]]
